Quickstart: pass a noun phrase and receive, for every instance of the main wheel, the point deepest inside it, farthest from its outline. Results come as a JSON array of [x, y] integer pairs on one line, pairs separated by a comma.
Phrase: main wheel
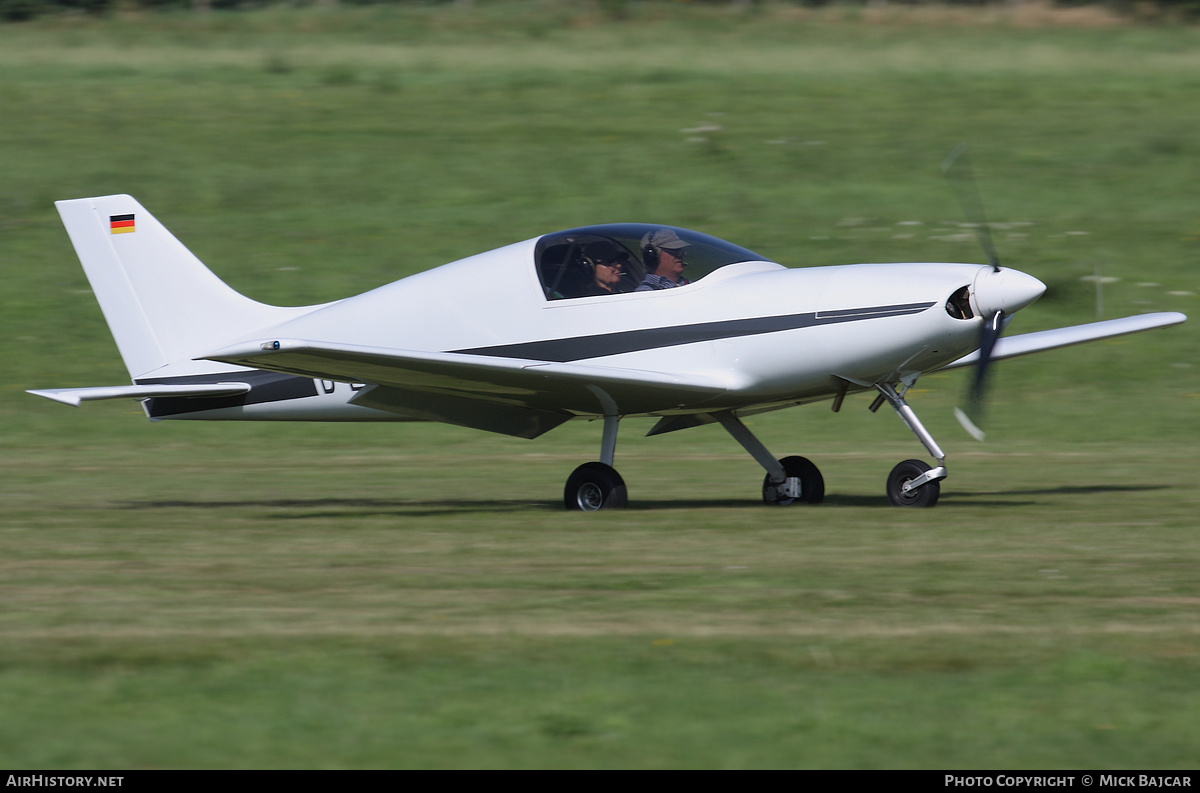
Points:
[[812, 484], [594, 486], [924, 496]]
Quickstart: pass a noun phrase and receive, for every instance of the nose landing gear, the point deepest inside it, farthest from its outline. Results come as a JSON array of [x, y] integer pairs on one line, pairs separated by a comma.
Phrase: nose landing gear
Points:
[[912, 483]]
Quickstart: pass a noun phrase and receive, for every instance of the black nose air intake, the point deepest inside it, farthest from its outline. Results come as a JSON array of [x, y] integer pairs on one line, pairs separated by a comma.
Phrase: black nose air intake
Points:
[[959, 304]]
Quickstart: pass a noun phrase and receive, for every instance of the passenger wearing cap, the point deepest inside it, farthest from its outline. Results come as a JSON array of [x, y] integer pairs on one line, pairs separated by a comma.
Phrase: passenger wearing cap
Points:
[[663, 253], [606, 263]]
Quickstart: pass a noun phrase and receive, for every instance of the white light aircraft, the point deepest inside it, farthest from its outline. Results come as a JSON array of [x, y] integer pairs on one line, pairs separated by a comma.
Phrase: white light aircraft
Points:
[[523, 338]]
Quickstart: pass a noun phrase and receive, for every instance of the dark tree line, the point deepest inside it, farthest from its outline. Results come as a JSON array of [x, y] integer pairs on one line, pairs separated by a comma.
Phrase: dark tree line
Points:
[[21, 10]]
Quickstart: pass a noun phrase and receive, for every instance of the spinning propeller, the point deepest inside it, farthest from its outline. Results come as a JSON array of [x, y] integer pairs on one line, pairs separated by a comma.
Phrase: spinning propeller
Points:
[[998, 293]]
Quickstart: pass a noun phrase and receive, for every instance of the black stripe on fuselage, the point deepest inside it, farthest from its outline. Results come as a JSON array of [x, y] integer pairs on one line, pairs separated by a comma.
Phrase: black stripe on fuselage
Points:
[[264, 387], [602, 344]]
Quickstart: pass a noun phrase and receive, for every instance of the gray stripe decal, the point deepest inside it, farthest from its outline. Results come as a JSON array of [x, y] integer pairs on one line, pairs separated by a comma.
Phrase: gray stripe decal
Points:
[[580, 347]]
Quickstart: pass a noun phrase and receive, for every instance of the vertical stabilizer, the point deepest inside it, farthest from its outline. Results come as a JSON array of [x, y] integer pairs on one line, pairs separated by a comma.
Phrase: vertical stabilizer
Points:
[[161, 303]]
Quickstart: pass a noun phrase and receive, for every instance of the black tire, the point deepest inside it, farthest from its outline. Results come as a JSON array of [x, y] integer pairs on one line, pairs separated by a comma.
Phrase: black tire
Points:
[[924, 496], [812, 484], [594, 486]]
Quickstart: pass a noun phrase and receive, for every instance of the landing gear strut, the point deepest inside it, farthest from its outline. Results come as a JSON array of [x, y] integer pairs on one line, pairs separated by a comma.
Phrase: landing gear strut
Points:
[[594, 486], [792, 480]]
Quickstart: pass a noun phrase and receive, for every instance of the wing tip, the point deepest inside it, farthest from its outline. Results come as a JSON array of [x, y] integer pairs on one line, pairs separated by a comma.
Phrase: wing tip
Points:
[[65, 397]]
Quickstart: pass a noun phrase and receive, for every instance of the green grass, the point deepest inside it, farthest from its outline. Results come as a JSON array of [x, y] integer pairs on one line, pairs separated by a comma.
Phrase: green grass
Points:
[[242, 595]]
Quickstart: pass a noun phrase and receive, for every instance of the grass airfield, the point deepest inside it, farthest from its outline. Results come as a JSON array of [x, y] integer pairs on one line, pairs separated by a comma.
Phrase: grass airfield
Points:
[[241, 595]]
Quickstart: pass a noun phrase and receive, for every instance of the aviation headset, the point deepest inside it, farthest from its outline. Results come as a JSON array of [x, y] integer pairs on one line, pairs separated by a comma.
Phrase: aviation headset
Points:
[[650, 257]]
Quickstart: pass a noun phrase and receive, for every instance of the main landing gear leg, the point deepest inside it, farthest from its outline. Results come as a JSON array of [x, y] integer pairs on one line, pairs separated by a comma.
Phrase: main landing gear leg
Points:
[[594, 486], [792, 480], [912, 483]]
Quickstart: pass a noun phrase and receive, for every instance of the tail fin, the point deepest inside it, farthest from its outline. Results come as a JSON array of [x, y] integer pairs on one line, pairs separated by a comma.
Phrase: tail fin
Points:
[[161, 303]]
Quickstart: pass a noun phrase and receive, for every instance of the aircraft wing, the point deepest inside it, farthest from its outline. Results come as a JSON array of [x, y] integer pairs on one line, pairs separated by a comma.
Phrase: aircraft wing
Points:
[[565, 388], [75, 396], [1026, 343]]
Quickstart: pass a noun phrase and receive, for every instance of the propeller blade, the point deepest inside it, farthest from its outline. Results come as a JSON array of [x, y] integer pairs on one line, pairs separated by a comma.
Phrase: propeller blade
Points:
[[957, 170], [988, 336], [971, 427], [971, 418]]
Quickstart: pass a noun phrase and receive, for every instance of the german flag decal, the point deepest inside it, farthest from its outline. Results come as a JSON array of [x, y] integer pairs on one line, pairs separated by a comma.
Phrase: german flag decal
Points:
[[121, 224]]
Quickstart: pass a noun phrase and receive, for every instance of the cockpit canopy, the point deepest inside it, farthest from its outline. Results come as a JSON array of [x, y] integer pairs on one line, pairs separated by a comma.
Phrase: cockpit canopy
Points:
[[567, 261]]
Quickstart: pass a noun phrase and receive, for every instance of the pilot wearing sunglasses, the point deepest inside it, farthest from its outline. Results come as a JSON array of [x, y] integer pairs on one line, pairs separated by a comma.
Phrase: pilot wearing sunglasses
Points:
[[608, 265], [663, 253]]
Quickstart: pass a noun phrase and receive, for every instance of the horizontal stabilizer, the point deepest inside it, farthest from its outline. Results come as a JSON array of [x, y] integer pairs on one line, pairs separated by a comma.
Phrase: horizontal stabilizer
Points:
[[540, 385], [1026, 343], [74, 396]]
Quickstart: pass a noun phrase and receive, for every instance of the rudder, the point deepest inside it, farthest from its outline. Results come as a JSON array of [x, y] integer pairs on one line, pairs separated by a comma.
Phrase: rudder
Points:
[[162, 304]]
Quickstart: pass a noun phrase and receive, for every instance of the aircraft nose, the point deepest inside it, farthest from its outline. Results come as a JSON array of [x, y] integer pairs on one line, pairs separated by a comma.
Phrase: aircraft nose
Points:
[[1005, 291]]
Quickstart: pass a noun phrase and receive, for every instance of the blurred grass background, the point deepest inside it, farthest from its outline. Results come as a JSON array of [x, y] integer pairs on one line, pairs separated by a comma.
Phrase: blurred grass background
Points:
[[347, 596]]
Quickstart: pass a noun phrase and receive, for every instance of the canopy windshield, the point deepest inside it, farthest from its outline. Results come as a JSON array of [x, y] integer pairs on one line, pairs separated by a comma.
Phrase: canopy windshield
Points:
[[567, 261]]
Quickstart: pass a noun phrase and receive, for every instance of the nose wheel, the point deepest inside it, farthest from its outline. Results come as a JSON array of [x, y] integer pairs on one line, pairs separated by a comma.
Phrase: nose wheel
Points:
[[910, 485]]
